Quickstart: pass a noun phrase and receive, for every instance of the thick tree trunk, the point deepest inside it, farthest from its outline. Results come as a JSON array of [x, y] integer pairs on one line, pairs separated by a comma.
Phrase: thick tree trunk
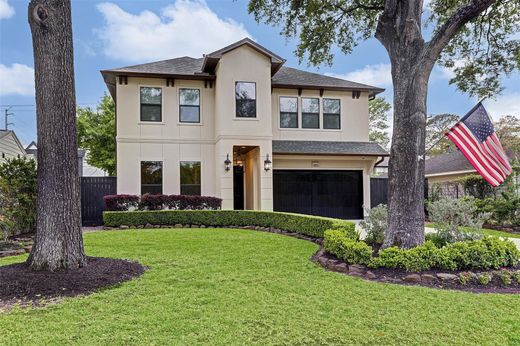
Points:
[[58, 242], [406, 170]]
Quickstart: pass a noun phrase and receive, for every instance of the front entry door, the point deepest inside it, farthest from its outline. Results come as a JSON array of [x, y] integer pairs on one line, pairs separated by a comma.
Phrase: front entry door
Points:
[[238, 187]]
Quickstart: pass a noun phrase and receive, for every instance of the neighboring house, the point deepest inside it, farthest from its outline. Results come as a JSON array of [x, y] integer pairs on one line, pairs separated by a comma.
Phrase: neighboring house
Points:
[[32, 152], [10, 145], [381, 168], [239, 125], [444, 170]]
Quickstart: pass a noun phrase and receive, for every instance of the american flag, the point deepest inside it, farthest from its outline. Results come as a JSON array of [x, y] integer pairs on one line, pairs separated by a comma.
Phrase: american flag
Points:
[[475, 137]]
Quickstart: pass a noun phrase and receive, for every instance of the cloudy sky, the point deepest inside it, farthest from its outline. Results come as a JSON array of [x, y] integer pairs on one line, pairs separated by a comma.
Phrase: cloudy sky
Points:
[[119, 33]]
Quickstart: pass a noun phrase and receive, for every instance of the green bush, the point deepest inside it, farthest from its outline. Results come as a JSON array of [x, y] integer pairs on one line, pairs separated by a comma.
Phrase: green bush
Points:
[[502, 210], [516, 276], [17, 196], [484, 278], [375, 224], [465, 278], [313, 226], [505, 277], [351, 251], [487, 253]]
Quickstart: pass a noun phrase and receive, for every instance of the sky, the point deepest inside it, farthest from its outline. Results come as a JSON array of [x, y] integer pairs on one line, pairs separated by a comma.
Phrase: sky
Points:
[[121, 33]]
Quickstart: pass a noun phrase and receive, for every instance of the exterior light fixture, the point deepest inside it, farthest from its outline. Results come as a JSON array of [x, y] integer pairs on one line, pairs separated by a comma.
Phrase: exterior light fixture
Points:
[[227, 164], [267, 163]]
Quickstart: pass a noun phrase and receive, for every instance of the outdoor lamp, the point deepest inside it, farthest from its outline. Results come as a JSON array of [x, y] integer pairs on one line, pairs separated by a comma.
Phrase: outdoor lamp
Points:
[[227, 164], [267, 163]]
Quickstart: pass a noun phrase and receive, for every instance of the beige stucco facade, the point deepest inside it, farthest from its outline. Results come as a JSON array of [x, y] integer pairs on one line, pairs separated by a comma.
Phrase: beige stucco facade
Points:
[[220, 132]]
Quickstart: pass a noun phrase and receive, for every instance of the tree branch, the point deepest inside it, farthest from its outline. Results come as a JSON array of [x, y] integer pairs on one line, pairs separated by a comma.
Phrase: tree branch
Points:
[[448, 30]]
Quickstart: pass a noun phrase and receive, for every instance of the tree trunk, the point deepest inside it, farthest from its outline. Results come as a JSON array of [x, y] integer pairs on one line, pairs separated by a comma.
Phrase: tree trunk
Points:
[[58, 243], [399, 30]]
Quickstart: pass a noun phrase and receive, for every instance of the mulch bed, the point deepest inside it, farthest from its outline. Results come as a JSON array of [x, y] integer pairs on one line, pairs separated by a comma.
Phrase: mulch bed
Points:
[[22, 286], [433, 279]]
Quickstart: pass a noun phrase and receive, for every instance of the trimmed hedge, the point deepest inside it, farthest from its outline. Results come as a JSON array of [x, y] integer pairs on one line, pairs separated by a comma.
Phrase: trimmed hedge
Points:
[[313, 226], [487, 253], [349, 250], [161, 202]]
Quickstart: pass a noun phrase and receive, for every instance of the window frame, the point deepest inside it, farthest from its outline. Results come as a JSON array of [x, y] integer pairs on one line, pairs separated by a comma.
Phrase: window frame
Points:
[[338, 114], [141, 176], [319, 111], [180, 106], [255, 100], [280, 112], [180, 177], [150, 104]]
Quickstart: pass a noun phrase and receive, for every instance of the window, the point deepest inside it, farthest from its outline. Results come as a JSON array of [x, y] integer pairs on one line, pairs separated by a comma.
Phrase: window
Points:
[[310, 113], [189, 105], [151, 177], [245, 95], [151, 99], [288, 112], [190, 178], [331, 114]]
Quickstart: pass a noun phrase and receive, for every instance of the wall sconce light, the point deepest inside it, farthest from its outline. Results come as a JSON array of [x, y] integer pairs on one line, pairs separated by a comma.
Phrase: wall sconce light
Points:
[[227, 164], [267, 163]]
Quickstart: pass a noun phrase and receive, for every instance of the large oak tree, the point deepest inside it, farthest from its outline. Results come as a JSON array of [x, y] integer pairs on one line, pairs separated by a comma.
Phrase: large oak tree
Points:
[[58, 243], [474, 37]]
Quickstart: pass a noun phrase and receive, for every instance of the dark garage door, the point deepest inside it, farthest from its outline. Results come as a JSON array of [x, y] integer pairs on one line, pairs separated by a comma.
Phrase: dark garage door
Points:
[[326, 193]]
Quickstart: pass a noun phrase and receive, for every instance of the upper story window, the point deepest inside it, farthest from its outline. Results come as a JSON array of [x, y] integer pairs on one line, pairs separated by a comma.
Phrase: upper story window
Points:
[[151, 177], [189, 105], [151, 104], [245, 96], [310, 113], [289, 112], [190, 178], [331, 114]]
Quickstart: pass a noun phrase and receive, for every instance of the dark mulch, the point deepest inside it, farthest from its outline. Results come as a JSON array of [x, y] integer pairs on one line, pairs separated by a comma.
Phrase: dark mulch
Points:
[[20, 284], [515, 229]]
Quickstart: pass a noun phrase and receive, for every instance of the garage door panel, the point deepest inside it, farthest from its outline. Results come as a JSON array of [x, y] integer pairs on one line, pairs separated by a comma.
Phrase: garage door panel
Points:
[[326, 193]]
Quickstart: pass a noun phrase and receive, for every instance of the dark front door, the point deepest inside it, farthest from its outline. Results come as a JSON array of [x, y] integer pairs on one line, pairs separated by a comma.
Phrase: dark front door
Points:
[[238, 188], [336, 194]]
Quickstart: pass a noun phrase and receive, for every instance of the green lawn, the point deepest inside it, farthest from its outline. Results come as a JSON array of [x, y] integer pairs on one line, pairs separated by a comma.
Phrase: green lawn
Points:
[[220, 286]]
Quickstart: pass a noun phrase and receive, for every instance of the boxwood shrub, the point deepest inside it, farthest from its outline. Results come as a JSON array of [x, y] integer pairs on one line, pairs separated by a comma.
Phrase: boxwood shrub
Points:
[[350, 250], [313, 226], [487, 253]]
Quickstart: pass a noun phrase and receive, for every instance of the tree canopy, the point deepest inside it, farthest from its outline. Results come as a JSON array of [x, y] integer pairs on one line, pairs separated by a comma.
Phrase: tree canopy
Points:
[[97, 133], [508, 131], [378, 110], [480, 51], [436, 127]]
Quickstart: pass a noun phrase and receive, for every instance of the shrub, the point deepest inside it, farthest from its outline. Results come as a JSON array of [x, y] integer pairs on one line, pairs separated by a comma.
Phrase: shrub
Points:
[[476, 186], [160, 202], [503, 210], [449, 215], [375, 224], [465, 278], [488, 253], [484, 278], [516, 276], [17, 196], [505, 277], [309, 225], [121, 202], [353, 252]]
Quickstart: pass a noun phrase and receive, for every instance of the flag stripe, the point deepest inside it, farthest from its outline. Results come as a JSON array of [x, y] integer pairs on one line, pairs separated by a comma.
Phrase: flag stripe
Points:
[[462, 146], [495, 169], [494, 155], [493, 140], [477, 154]]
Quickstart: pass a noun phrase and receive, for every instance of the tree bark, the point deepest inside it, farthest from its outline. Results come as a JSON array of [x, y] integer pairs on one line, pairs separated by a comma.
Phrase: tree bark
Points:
[[399, 30], [58, 243]]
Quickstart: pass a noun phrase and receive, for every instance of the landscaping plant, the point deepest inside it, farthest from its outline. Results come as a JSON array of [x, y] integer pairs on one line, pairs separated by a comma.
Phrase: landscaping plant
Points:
[[17, 196], [456, 219], [375, 224]]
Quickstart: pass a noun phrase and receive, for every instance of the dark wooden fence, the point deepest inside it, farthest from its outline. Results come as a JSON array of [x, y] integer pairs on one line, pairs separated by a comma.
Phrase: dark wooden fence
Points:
[[379, 191], [93, 189]]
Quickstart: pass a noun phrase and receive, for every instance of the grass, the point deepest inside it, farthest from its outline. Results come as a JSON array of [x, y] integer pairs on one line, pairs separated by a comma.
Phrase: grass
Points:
[[492, 232], [224, 287]]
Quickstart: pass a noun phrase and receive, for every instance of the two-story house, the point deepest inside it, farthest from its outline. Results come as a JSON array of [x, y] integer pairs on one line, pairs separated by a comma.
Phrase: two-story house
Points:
[[239, 125]]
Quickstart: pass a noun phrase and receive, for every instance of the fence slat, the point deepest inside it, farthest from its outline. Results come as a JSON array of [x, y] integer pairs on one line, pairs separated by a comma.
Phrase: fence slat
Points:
[[93, 189]]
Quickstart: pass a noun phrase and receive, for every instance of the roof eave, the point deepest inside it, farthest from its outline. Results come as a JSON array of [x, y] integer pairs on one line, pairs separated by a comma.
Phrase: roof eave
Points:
[[371, 91]]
